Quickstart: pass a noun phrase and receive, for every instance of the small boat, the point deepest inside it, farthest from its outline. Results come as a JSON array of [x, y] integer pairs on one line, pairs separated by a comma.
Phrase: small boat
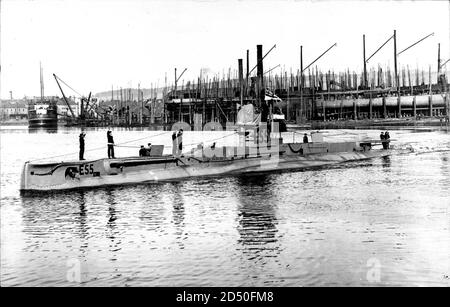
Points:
[[209, 161]]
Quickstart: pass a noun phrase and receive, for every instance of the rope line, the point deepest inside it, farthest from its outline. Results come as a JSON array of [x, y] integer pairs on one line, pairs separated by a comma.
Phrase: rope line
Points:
[[127, 142], [67, 154], [165, 132], [69, 86], [198, 143], [103, 147]]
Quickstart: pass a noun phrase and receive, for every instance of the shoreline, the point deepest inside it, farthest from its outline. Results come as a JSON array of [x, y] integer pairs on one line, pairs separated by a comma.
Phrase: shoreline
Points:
[[309, 125]]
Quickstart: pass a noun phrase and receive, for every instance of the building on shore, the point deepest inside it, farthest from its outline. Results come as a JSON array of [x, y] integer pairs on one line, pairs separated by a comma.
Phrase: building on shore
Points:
[[17, 109], [13, 109]]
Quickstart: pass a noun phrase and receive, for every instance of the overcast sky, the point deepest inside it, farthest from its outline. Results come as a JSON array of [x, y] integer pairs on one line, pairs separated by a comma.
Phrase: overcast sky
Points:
[[95, 44]]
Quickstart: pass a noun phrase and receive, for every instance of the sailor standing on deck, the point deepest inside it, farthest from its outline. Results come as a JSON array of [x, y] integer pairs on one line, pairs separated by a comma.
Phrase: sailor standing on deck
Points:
[[149, 149], [142, 151], [180, 141], [387, 139], [174, 143], [81, 155], [110, 145], [305, 138]]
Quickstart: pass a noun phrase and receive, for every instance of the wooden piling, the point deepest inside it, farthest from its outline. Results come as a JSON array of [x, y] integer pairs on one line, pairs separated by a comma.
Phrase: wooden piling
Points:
[[301, 85], [247, 73], [430, 96], [260, 75], [409, 80], [241, 82], [438, 62], [396, 76], [364, 61]]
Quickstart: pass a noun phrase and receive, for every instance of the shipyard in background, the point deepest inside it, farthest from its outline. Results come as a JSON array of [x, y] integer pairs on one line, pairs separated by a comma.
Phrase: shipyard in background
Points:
[[305, 97]]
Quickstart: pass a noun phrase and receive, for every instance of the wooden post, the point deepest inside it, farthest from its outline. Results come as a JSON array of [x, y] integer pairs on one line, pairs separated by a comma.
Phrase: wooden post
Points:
[[260, 75], [430, 92], [438, 62], [328, 81], [128, 106], [409, 79], [206, 84], [164, 99], [241, 82], [324, 109], [417, 76], [190, 104], [139, 103], [181, 101], [121, 105], [248, 71], [414, 107], [301, 84], [396, 75]]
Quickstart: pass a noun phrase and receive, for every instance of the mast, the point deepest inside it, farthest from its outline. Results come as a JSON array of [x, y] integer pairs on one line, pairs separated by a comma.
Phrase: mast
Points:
[[439, 61], [41, 81], [260, 75], [247, 73], [396, 76], [364, 56], [301, 83], [241, 82]]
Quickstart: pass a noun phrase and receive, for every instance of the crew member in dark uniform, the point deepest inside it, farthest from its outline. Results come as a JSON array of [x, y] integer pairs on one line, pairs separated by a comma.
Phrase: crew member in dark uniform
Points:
[[305, 138], [180, 141], [387, 139], [110, 145], [174, 143], [142, 151], [149, 149], [81, 155]]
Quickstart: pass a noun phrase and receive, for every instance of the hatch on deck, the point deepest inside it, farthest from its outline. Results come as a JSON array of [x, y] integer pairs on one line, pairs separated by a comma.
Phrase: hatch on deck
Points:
[[317, 137]]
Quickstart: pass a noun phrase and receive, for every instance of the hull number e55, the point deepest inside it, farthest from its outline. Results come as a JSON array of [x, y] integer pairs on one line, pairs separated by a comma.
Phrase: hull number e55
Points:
[[86, 169]]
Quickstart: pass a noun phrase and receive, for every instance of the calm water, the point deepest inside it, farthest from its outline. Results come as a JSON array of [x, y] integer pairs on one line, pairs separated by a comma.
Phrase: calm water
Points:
[[314, 227]]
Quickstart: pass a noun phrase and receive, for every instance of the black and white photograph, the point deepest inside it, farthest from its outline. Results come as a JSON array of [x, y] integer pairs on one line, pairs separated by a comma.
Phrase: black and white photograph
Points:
[[224, 149]]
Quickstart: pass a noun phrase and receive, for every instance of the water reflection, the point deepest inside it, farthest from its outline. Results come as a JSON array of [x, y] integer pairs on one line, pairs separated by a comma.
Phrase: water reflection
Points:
[[178, 213], [112, 231], [386, 163], [81, 220], [257, 219], [152, 213], [43, 130], [445, 170]]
